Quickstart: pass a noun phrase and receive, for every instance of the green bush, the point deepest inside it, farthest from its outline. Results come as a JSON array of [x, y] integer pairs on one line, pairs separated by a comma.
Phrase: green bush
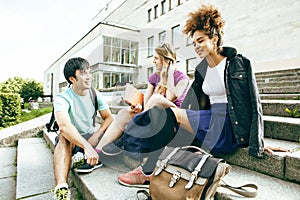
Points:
[[10, 109]]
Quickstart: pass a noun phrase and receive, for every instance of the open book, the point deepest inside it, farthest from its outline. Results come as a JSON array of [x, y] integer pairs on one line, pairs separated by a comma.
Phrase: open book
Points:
[[133, 96]]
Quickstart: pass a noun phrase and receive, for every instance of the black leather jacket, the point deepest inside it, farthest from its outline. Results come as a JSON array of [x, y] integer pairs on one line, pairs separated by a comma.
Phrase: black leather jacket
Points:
[[244, 105]]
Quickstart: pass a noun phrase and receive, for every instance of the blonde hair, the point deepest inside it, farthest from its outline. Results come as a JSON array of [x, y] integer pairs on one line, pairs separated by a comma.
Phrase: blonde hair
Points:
[[168, 55]]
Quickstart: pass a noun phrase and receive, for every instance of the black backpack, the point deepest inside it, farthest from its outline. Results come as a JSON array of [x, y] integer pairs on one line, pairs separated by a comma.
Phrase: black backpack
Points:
[[52, 126]]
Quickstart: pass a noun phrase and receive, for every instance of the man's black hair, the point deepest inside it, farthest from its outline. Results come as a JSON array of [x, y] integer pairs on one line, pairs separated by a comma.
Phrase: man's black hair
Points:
[[72, 65]]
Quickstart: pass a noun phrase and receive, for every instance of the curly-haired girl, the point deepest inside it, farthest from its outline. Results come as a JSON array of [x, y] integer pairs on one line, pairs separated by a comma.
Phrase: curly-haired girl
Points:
[[222, 107]]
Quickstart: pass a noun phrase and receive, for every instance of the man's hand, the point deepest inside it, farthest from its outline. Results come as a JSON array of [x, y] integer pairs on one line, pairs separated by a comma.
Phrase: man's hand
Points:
[[91, 155]]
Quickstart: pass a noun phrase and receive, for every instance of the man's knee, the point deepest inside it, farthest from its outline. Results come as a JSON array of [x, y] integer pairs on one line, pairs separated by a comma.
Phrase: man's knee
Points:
[[62, 142]]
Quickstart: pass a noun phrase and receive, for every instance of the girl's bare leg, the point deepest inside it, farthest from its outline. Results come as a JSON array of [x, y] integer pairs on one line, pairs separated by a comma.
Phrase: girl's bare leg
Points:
[[182, 118], [116, 128]]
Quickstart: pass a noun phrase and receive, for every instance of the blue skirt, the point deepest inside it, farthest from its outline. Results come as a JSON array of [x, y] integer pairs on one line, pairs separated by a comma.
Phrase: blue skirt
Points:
[[213, 129]]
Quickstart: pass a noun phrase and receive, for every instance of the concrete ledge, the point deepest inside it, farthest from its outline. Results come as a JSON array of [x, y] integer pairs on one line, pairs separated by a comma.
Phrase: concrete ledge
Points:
[[277, 107], [102, 183], [292, 167], [10, 136], [273, 165], [279, 96], [285, 128]]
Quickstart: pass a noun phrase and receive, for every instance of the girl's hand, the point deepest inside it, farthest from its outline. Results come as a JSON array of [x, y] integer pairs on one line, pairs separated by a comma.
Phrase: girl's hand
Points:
[[271, 149], [136, 109], [93, 140]]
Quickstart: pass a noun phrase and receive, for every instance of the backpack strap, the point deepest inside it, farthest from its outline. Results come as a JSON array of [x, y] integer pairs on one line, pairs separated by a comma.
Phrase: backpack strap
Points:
[[95, 103], [247, 190], [52, 121]]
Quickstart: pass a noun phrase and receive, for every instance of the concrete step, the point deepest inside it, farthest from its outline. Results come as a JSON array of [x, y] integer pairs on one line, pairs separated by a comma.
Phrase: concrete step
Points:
[[279, 90], [35, 177], [278, 73], [274, 79], [279, 96], [102, 183], [283, 165], [277, 83], [277, 107], [285, 128], [8, 173], [268, 187]]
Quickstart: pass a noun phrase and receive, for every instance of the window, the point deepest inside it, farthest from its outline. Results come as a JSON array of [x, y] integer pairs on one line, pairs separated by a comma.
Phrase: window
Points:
[[170, 4], [119, 51], [176, 36], [190, 67], [150, 46], [95, 79], [149, 71], [149, 15], [162, 37], [155, 11], [163, 7], [189, 40]]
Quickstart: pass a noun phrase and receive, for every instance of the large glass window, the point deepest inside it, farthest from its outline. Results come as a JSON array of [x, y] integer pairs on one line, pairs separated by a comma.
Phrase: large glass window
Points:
[[95, 80], [149, 15], [163, 7], [150, 46], [170, 4], [189, 40], [190, 67], [176, 36], [119, 51], [155, 11], [162, 37]]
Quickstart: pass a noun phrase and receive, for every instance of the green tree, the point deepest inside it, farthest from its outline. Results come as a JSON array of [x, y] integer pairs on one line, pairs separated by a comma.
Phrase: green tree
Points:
[[33, 89], [12, 85]]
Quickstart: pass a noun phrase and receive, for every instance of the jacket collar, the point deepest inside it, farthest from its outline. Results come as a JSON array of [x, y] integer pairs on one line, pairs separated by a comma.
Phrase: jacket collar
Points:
[[229, 52]]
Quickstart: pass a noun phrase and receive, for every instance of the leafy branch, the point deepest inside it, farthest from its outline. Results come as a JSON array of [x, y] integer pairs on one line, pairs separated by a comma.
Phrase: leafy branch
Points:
[[293, 113]]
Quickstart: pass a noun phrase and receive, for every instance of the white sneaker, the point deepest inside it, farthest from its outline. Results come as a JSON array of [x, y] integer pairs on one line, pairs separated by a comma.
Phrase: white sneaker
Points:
[[62, 193], [77, 160]]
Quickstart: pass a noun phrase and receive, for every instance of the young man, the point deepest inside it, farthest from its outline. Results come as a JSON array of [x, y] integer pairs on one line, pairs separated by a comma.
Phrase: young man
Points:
[[74, 113]]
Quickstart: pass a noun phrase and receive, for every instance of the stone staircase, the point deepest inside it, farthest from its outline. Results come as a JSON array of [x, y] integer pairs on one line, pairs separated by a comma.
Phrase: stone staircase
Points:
[[279, 85], [277, 175]]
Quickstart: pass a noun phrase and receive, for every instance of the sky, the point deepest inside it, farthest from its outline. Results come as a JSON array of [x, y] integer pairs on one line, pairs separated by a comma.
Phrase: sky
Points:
[[35, 33]]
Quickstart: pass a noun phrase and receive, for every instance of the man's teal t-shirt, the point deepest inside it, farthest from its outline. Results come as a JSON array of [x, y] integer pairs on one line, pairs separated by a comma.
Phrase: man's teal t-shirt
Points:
[[80, 108]]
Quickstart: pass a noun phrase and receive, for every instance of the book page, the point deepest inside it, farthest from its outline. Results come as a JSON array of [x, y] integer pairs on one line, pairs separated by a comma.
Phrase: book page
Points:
[[133, 96]]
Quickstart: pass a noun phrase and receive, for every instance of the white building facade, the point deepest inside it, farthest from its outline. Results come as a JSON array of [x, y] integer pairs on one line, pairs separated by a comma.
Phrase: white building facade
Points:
[[120, 46]]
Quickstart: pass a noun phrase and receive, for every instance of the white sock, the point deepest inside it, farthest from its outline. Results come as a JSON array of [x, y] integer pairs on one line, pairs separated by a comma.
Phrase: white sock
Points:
[[62, 185]]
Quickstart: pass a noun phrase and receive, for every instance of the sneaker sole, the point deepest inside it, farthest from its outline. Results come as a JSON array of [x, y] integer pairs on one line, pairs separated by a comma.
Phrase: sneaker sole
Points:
[[136, 185], [88, 170], [112, 154]]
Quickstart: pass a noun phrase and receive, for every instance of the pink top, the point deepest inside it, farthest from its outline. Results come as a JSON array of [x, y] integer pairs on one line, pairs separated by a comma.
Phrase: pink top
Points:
[[178, 76]]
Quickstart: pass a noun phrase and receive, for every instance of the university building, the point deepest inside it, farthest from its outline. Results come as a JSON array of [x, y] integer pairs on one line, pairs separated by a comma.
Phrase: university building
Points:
[[119, 46]]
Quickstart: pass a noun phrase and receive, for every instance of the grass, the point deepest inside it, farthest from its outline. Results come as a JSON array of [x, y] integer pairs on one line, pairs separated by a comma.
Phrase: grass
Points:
[[25, 116]]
